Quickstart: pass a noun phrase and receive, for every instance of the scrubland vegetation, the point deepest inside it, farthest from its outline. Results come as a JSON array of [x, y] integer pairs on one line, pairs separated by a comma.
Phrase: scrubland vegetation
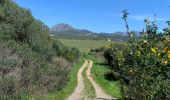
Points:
[[32, 64]]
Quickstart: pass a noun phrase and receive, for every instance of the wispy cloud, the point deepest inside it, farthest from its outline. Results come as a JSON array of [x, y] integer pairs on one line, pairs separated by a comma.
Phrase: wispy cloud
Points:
[[142, 17]]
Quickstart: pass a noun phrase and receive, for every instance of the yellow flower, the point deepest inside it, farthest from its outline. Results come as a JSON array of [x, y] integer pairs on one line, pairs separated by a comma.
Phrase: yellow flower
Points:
[[165, 49], [154, 50], [168, 51], [159, 54], [169, 56], [165, 62], [138, 53]]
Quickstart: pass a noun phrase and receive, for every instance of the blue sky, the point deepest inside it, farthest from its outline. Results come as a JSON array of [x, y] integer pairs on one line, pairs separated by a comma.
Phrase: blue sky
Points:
[[98, 15]]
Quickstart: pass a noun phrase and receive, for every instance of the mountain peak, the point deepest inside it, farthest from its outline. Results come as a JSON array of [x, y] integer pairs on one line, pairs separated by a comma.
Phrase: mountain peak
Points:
[[61, 27]]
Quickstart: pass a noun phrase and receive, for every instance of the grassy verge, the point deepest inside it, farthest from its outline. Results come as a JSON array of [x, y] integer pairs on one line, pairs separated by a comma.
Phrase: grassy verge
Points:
[[110, 87], [62, 95], [89, 90]]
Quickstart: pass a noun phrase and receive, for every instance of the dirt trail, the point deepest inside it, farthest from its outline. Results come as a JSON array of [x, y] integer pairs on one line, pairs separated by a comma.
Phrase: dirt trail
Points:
[[78, 92], [99, 92]]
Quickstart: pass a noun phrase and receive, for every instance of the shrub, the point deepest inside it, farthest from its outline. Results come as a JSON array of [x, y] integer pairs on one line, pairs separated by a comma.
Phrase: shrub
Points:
[[143, 67]]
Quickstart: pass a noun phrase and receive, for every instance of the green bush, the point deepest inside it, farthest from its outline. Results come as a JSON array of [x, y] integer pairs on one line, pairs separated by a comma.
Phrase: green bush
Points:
[[144, 66]]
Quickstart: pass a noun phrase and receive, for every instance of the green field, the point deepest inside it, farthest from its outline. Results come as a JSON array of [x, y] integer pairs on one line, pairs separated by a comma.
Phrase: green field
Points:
[[86, 45]]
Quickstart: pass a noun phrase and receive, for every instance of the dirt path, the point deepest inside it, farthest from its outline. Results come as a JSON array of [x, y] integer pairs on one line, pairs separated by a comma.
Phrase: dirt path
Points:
[[99, 92], [78, 92]]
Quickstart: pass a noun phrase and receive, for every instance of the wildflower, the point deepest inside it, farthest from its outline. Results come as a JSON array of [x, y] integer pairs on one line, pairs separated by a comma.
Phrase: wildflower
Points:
[[169, 56], [138, 53], [145, 41], [154, 50], [168, 39], [165, 62], [159, 54], [165, 49], [168, 51], [131, 71]]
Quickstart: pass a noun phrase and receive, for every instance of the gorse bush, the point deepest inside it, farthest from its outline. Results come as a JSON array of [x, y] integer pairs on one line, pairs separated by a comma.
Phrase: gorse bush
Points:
[[31, 62], [143, 65]]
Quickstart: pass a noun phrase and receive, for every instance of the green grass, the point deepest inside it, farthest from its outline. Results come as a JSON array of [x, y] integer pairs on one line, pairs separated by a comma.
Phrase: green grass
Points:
[[86, 45], [89, 90], [62, 95], [111, 87]]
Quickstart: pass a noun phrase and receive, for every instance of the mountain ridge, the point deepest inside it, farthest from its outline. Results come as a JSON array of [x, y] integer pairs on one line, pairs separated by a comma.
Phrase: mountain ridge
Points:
[[66, 27], [66, 31]]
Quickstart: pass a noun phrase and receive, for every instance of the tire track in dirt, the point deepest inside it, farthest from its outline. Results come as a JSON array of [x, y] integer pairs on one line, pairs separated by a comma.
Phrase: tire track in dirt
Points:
[[78, 92], [98, 90]]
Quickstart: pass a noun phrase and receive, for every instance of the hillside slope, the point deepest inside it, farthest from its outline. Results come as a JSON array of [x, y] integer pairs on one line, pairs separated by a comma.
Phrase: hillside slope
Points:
[[32, 64]]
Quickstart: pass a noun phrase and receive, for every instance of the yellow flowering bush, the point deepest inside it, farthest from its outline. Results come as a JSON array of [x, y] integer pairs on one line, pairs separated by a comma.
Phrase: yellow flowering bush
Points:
[[143, 66]]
